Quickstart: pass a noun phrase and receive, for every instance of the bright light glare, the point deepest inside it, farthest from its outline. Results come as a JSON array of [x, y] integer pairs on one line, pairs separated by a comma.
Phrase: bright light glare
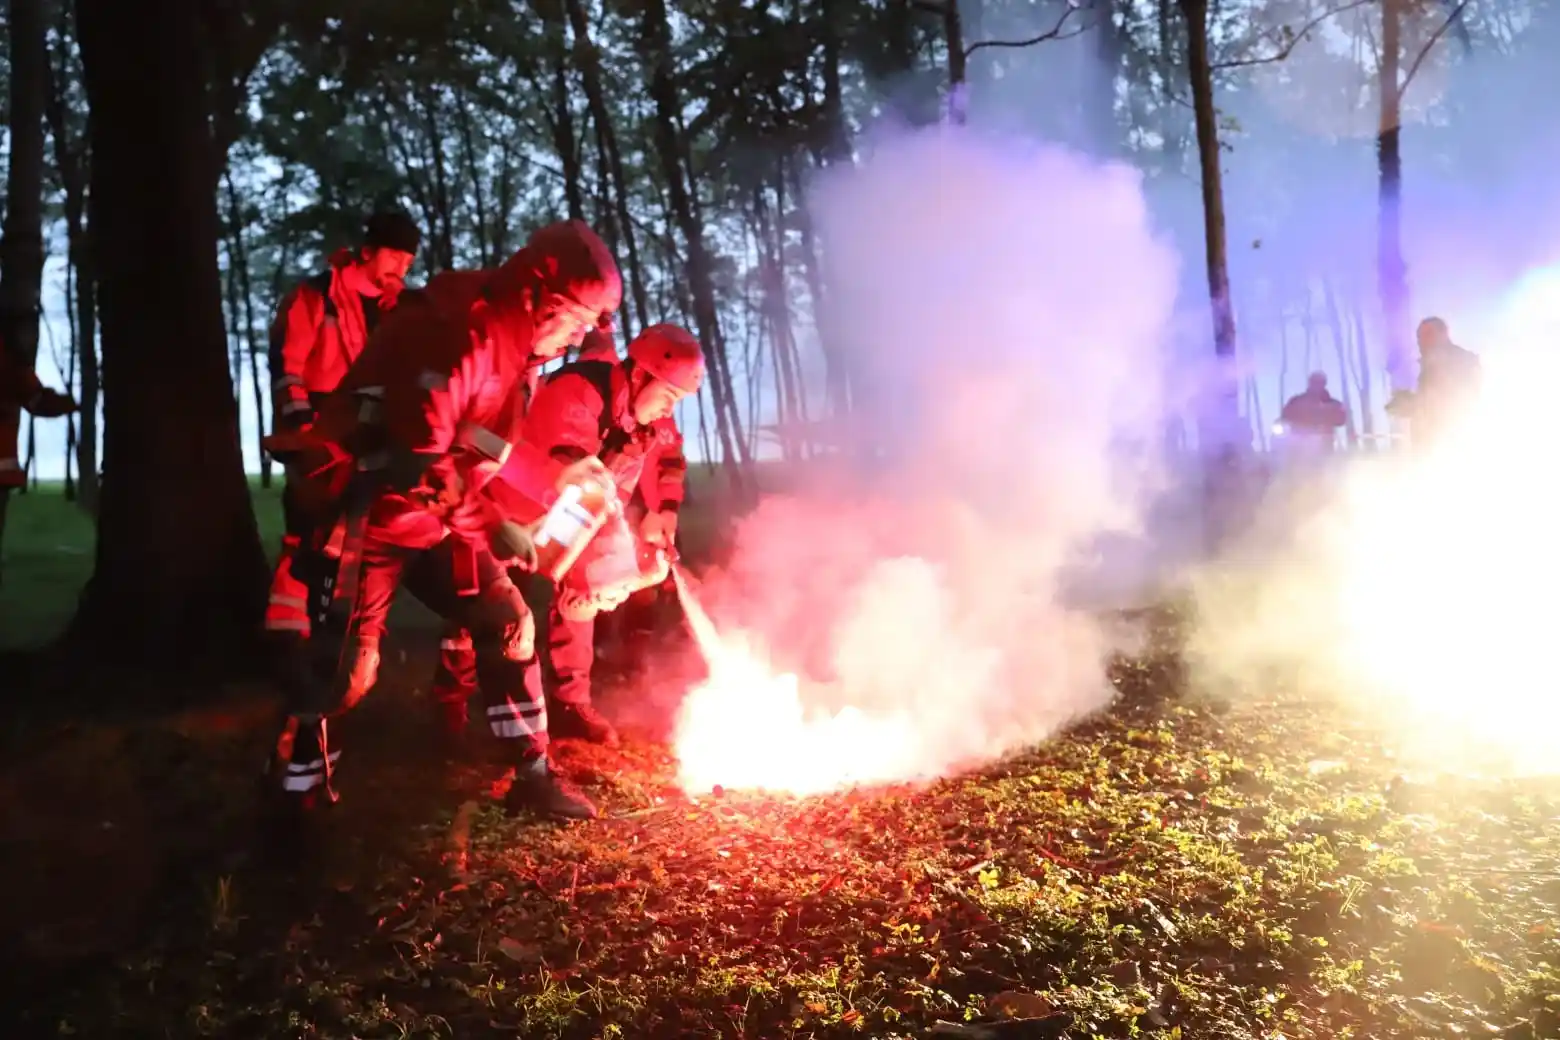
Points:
[[1450, 564]]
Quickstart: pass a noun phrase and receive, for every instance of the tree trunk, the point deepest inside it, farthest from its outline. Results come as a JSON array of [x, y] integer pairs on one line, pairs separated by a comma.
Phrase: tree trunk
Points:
[[1224, 455], [1367, 424], [836, 151], [1283, 358], [1100, 78], [251, 338], [565, 142], [21, 245], [589, 61], [1391, 271], [953, 32], [70, 386], [71, 160], [180, 577], [1172, 124], [468, 149], [1364, 370], [442, 229], [656, 45]]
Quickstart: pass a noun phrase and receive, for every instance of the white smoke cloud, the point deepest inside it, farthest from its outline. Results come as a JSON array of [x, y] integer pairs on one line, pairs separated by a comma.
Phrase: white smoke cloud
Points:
[[1005, 310]]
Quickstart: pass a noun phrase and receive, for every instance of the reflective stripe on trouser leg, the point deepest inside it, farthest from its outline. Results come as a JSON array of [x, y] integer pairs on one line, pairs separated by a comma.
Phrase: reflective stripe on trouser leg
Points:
[[512, 695], [288, 609], [304, 763]]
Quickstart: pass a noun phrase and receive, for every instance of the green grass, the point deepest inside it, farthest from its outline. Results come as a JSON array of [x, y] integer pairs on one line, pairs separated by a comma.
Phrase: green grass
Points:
[[1175, 869], [49, 545]]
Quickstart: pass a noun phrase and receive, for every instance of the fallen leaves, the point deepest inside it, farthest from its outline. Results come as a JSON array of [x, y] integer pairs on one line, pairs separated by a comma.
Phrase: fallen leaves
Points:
[[1171, 869]]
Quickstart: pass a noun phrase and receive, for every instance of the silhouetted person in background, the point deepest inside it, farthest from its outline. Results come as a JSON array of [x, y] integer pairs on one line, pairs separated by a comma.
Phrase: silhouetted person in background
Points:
[[1449, 380], [1311, 417]]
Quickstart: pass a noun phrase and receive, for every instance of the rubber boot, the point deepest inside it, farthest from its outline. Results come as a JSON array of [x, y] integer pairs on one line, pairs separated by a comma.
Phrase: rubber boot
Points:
[[582, 722], [537, 789]]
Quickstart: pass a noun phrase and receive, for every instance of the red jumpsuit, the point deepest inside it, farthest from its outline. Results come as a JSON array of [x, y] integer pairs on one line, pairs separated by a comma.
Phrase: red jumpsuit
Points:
[[320, 329], [583, 409], [421, 414]]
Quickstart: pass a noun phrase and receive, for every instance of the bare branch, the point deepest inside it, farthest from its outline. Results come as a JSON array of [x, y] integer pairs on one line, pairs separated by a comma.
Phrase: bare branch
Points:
[[1294, 41], [1429, 46], [1053, 33]]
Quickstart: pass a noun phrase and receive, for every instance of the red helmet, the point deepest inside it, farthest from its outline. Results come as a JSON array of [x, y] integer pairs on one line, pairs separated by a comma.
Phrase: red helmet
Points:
[[671, 353], [569, 259]]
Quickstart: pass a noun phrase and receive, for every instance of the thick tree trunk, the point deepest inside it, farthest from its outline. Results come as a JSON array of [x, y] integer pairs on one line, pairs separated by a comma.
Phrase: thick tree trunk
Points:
[[1391, 271], [21, 245], [1222, 424], [180, 576]]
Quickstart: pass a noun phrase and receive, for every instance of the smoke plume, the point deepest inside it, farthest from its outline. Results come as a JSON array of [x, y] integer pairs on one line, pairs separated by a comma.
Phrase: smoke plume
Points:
[[1002, 313]]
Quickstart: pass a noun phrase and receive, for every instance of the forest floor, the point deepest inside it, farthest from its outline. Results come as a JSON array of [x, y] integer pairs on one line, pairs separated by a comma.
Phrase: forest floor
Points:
[[1177, 867]]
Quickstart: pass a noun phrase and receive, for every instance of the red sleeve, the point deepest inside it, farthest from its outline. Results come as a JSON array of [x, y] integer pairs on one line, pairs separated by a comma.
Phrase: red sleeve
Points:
[[671, 470], [20, 386], [565, 417], [293, 336]]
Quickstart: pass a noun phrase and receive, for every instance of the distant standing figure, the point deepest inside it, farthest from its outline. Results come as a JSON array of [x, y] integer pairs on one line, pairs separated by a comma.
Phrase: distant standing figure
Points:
[[320, 329], [1311, 417], [1449, 380]]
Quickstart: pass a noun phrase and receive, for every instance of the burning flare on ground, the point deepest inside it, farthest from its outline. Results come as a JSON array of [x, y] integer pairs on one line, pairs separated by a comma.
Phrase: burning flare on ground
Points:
[[801, 752]]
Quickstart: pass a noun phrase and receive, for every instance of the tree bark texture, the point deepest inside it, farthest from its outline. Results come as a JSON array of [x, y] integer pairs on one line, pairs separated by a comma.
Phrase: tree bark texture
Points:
[[180, 577]]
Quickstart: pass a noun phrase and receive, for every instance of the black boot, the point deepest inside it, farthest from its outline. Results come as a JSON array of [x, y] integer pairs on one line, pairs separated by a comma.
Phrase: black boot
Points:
[[539, 790], [581, 722]]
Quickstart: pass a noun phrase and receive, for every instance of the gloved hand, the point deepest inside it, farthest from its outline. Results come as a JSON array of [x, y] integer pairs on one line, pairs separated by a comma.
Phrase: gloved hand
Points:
[[513, 544], [659, 572], [575, 604], [659, 529], [520, 638], [51, 404]]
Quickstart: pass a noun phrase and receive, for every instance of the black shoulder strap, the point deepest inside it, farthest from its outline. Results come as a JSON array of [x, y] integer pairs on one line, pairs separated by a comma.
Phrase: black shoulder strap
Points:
[[599, 373], [320, 283]]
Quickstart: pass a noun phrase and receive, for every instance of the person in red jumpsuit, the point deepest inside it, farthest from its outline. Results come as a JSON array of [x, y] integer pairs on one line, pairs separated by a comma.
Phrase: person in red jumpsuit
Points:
[[20, 389], [620, 412], [402, 451], [320, 329]]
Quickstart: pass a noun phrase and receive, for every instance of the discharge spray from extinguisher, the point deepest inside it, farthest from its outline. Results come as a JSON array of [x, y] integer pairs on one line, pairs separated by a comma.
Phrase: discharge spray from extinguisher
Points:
[[699, 622]]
